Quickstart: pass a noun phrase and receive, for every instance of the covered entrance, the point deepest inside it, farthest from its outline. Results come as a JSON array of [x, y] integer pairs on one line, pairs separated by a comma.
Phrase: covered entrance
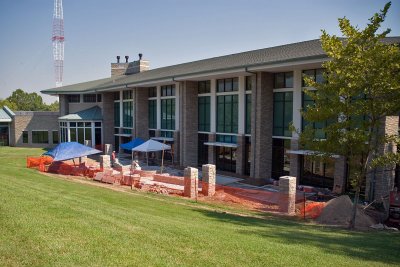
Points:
[[5, 123]]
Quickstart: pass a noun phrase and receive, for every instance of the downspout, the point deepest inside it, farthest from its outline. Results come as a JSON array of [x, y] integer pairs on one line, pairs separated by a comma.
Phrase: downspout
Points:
[[253, 167]]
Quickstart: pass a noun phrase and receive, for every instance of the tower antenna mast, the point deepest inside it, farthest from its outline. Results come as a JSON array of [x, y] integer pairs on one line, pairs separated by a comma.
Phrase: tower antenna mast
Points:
[[58, 42]]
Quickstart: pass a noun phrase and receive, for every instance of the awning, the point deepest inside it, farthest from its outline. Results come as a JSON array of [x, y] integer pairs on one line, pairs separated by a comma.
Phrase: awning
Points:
[[308, 153], [167, 139], [221, 144], [4, 115], [70, 150], [90, 114], [151, 146]]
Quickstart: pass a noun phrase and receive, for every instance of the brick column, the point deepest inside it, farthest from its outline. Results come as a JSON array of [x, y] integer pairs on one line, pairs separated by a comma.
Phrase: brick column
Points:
[[63, 103], [212, 137], [339, 178], [295, 160], [384, 176], [108, 118], [208, 179], [189, 124], [261, 126], [105, 162], [241, 154], [141, 113], [191, 182], [287, 194]]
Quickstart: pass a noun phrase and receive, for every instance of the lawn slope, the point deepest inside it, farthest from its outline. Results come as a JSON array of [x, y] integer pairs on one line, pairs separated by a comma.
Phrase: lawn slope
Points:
[[45, 220]]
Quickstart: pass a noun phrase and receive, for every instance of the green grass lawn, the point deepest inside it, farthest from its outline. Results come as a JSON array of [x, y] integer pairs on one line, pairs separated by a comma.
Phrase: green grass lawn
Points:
[[50, 221]]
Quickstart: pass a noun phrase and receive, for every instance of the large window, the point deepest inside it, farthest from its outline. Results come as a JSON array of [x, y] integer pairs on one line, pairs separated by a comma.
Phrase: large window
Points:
[[127, 112], [204, 113], [117, 120], [317, 173], [152, 91], [204, 87], [227, 113], [55, 137], [280, 157], [127, 95], [80, 131], [317, 75], [152, 114], [89, 98], [202, 150], [317, 126], [283, 113], [168, 114], [283, 80], [25, 137], [74, 98], [227, 85], [226, 156], [40, 137], [168, 90], [249, 84]]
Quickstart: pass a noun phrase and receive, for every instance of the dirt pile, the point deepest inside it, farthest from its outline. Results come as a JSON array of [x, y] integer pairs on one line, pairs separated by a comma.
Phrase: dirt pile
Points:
[[338, 212]]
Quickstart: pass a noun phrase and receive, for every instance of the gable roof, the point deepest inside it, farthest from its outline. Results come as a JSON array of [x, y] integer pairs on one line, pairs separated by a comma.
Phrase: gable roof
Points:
[[279, 54], [90, 114], [6, 114]]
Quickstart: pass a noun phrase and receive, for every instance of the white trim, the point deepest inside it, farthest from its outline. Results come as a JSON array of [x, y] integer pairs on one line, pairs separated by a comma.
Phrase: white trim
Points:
[[228, 93], [230, 134], [282, 137], [167, 139], [200, 132], [283, 90], [221, 144]]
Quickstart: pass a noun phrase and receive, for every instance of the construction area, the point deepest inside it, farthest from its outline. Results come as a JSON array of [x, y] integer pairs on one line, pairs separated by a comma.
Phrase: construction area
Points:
[[283, 197]]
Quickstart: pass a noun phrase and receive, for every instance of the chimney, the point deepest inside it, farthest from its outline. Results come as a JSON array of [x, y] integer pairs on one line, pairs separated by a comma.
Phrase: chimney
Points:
[[137, 66], [126, 59], [119, 68], [118, 57], [140, 56]]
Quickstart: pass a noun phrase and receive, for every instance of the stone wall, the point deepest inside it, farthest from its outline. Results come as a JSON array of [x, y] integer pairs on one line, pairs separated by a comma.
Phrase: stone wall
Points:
[[33, 121]]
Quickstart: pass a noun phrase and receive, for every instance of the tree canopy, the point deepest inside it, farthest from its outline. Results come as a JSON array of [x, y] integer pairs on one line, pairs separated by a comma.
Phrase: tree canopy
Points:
[[21, 100], [362, 88]]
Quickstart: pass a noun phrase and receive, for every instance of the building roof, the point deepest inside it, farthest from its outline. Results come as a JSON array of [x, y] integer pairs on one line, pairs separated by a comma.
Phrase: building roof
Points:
[[267, 56], [90, 114], [6, 114]]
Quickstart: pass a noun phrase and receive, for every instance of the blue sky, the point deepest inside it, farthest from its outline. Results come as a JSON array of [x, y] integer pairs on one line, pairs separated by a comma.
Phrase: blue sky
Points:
[[167, 32]]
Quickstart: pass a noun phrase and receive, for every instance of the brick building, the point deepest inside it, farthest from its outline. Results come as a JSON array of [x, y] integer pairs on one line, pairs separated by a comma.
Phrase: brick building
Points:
[[233, 111]]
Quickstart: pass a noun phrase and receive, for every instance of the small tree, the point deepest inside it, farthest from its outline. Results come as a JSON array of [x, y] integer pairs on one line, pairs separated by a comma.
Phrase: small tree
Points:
[[362, 87]]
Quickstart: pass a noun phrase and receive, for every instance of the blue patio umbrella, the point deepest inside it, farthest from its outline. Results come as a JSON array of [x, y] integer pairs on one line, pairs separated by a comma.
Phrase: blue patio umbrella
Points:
[[70, 150], [132, 144]]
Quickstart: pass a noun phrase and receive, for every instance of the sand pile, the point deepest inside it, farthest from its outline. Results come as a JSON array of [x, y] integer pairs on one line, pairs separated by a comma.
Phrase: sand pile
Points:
[[338, 212]]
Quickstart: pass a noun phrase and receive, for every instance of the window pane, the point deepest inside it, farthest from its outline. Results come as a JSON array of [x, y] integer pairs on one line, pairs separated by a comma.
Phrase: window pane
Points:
[[228, 85], [279, 80], [116, 114], [25, 137], [235, 84], [220, 86], [55, 137], [89, 98], [319, 76], [288, 79], [88, 134]]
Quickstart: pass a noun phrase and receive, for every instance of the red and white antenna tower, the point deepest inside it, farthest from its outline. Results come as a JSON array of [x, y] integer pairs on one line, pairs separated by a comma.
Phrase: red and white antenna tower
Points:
[[58, 41]]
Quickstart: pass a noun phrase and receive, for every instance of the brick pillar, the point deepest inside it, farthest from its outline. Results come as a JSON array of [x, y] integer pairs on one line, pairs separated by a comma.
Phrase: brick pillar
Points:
[[176, 148], [241, 154], [141, 113], [212, 137], [105, 161], [384, 176], [295, 161], [339, 178], [63, 103], [208, 180], [191, 182], [261, 126], [108, 118], [287, 194], [189, 123]]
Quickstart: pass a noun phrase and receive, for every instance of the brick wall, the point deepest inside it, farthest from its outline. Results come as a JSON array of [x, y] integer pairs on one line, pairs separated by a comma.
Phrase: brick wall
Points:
[[108, 118], [141, 113]]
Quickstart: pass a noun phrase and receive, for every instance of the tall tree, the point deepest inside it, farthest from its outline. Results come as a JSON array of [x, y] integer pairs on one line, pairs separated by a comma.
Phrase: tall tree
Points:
[[21, 100], [362, 88]]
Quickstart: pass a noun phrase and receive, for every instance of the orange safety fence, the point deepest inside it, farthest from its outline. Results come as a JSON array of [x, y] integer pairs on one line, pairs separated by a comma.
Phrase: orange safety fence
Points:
[[312, 210], [35, 162]]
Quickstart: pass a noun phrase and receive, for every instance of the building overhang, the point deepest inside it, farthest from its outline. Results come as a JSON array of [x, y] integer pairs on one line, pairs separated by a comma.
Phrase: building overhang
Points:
[[221, 144], [309, 153]]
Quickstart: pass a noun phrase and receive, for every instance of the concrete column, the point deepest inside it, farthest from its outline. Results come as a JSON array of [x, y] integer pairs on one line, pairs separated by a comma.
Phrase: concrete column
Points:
[[295, 160], [212, 137], [158, 107], [287, 194], [141, 113], [261, 126], [339, 180], [189, 120], [176, 136], [241, 154], [213, 106], [297, 100], [191, 182], [208, 179], [108, 118], [241, 105]]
